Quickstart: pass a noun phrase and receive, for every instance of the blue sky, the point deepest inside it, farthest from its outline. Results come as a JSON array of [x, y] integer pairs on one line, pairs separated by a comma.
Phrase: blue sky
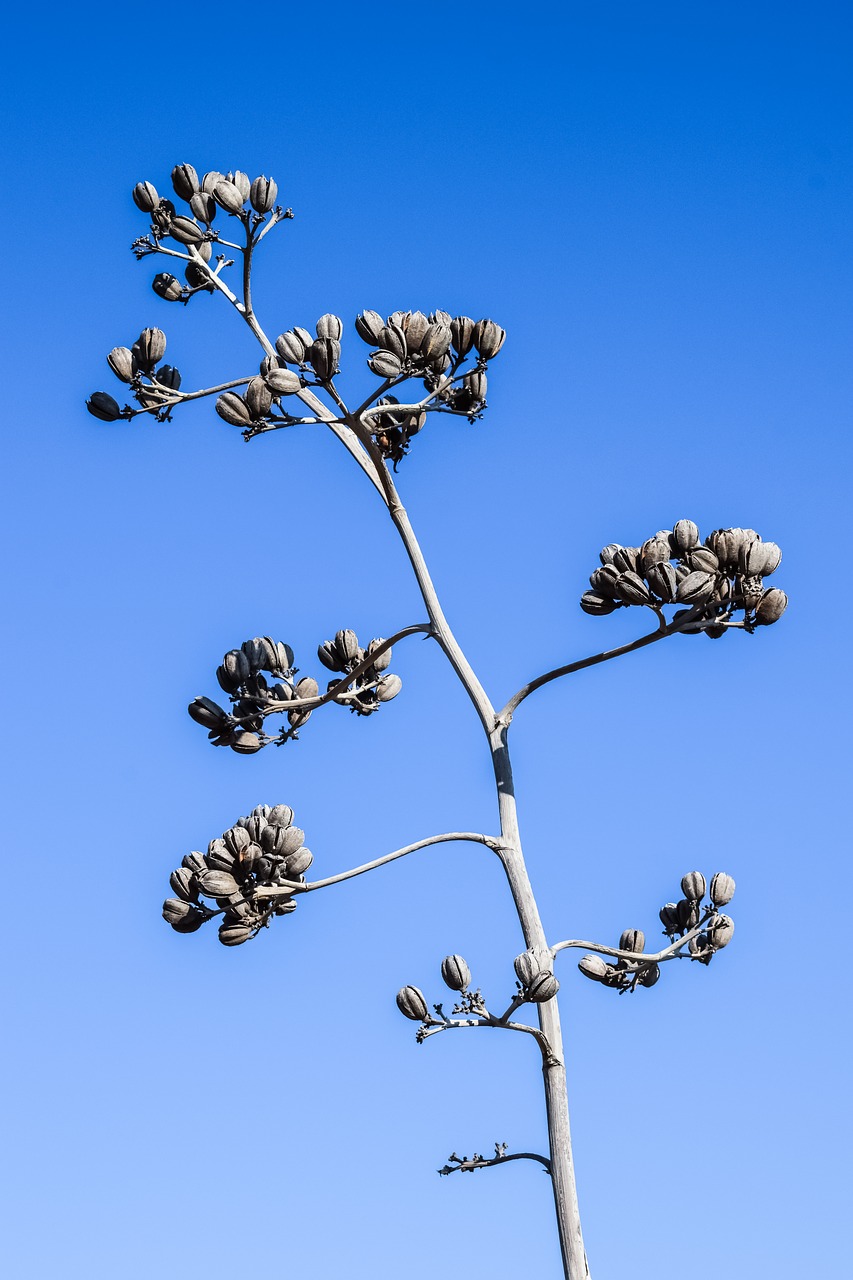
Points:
[[656, 204]]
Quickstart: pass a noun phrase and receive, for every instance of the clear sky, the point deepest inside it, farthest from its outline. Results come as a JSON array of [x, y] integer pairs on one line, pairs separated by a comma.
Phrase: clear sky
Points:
[[655, 201]]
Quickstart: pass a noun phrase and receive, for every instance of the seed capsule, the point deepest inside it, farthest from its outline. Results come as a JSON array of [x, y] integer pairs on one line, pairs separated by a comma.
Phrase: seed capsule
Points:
[[389, 686], [455, 972], [543, 987], [462, 334], [703, 559], [236, 840], [245, 743], [175, 910], [685, 536], [772, 559], [632, 940], [436, 342], [597, 605], [291, 348], [298, 863], [654, 551], [328, 655], [232, 935], [384, 660], [233, 408], [263, 194], [751, 558], [102, 405], [145, 197], [203, 207], [696, 588], [217, 884], [669, 917], [183, 883], [122, 363], [411, 1003], [283, 382], [385, 365], [770, 607], [329, 326], [280, 815], [477, 384], [722, 889], [346, 645], [607, 555], [663, 581], [185, 181], [323, 355], [631, 588], [193, 861], [529, 964], [603, 581], [185, 231], [415, 326], [168, 376], [721, 930], [258, 398], [627, 559], [594, 967], [488, 338], [368, 326], [207, 713], [210, 180], [649, 976], [149, 348], [693, 886], [227, 196], [166, 286], [688, 914]]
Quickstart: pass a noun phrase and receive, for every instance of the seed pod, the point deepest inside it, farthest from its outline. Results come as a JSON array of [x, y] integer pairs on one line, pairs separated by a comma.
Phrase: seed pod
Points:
[[384, 660], [232, 935], [627, 559], [669, 917], [145, 197], [282, 658], [703, 559], [263, 194], [685, 536], [700, 948], [233, 408], [102, 405], [149, 348], [258, 398], [298, 863], [185, 181], [280, 815], [721, 930], [693, 886], [203, 207], [183, 883], [544, 986], [210, 180], [168, 376], [603, 581], [488, 338], [283, 382], [330, 326], [193, 861], [654, 551], [594, 967], [328, 655], [323, 355], [385, 365], [307, 687], [632, 589], [167, 287], [244, 743], [217, 884], [218, 857], [455, 972], [411, 1003], [477, 384], [772, 559], [770, 608], [248, 859], [291, 348], [632, 940], [236, 839], [235, 670], [688, 914], [663, 581], [393, 339], [722, 889], [197, 278], [208, 713], [175, 910], [389, 686], [696, 588], [185, 231], [597, 605], [282, 841], [530, 963], [462, 334], [649, 976], [415, 326], [607, 555], [122, 363], [368, 326], [191, 922], [227, 196], [751, 558], [346, 646], [436, 342]]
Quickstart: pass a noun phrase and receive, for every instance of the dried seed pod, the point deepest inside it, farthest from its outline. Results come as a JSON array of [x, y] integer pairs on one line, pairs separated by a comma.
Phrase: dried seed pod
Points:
[[168, 376], [291, 347], [368, 326], [283, 382], [385, 365], [280, 815], [632, 940], [203, 207], [227, 196], [703, 559], [236, 839], [176, 910], [217, 884], [185, 231], [193, 861], [282, 842], [102, 405], [747, 591], [700, 948], [185, 181], [328, 655], [597, 605], [608, 554], [544, 986], [298, 863], [594, 967], [654, 551], [688, 914], [263, 194], [751, 558], [436, 342], [258, 398], [669, 917], [122, 363], [241, 182], [392, 338], [627, 559], [696, 588], [679, 617], [721, 930], [388, 687], [693, 886], [722, 889], [488, 338], [245, 743], [235, 670], [462, 334], [384, 660], [414, 325], [772, 559], [411, 1003], [346, 646], [307, 687], [149, 348], [167, 287], [663, 580], [685, 536], [208, 713], [329, 326], [218, 858], [183, 883], [632, 589], [210, 180], [477, 384], [531, 963], [455, 972], [233, 408], [323, 356], [603, 581], [145, 197], [770, 607], [649, 976], [232, 935]]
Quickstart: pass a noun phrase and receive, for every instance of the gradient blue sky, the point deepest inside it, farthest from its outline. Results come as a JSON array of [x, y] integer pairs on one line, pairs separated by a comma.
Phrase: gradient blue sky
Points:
[[656, 203]]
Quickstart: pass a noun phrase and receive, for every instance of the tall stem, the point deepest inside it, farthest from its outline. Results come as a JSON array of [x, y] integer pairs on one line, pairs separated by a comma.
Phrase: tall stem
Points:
[[554, 1072]]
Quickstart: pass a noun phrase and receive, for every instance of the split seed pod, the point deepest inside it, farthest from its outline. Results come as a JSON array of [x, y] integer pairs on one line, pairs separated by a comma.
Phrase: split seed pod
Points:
[[693, 886], [632, 940], [722, 889], [412, 1004], [594, 967], [543, 987], [455, 973]]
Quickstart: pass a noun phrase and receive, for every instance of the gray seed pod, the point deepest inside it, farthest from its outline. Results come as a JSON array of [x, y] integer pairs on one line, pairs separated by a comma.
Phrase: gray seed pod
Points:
[[385, 365], [298, 863], [122, 363], [149, 348], [393, 339], [627, 560], [543, 987], [722, 889], [607, 555], [669, 917], [183, 883], [328, 655], [389, 686], [258, 398], [477, 384], [772, 559], [236, 839], [291, 347], [751, 558], [185, 181], [102, 405], [632, 940], [217, 884], [411, 1003], [771, 607], [245, 743], [663, 580], [696, 588], [436, 343], [649, 976], [194, 861], [210, 180], [440, 317], [462, 334], [721, 930], [232, 935], [603, 581], [632, 589], [455, 972], [368, 326], [280, 815], [236, 667], [414, 325], [530, 963], [185, 231], [384, 660], [191, 922], [168, 376], [688, 913], [175, 910], [241, 182], [218, 858], [703, 559], [203, 207], [346, 645], [693, 886], [227, 196], [488, 338], [233, 409], [597, 605], [145, 197], [654, 551], [207, 713], [307, 687], [330, 326], [263, 194], [323, 356], [594, 967], [284, 382], [685, 536]]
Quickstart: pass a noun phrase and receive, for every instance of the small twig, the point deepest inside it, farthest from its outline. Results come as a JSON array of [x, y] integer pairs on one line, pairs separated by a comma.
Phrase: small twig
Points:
[[465, 1165]]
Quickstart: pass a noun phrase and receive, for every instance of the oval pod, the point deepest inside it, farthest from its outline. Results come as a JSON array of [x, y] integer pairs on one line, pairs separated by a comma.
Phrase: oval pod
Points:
[[543, 987], [455, 972], [632, 940], [412, 1004], [693, 886], [529, 964], [593, 967], [649, 976], [232, 935], [721, 931], [722, 889]]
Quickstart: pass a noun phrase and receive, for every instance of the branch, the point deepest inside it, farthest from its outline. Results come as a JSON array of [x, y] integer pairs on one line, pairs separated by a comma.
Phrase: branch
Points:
[[479, 1162], [643, 957], [505, 716], [433, 1026], [289, 887]]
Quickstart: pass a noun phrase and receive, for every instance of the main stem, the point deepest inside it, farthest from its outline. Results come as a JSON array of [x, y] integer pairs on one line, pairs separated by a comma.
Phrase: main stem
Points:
[[554, 1072]]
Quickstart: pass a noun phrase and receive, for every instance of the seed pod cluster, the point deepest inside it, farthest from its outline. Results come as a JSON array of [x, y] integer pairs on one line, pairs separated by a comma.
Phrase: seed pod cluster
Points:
[[253, 696], [154, 388], [374, 685], [712, 581], [261, 851], [685, 915], [534, 972]]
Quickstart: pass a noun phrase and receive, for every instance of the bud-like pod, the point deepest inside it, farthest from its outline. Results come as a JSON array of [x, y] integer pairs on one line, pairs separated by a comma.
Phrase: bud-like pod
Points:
[[263, 194], [662, 580], [227, 196], [217, 884], [411, 1003], [102, 405], [632, 940], [218, 858], [207, 713], [168, 376], [185, 181], [669, 917], [693, 886], [696, 588], [280, 815], [477, 384], [393, 339], [455, 973], [627, 559], [685, 536], [235, 670], [258, 397], [346, 645], [368, 326], [122, 363], [232, 935], [530, 963], [649, 976], [544, 986], [241, 182], [203, 207], [193, 861], [245, 744], [702, 559], [594, 967], [183, 883], [462, 334], [722, 889], [772, 559], [176, 910], [603, 581], [185, 231], [415, 326], [233, 408], [282, 841], [436, 342], [607, 555], [323, 355], [771, 606], [328, 655], [597, 605], [145, 197], [329, 326], [296, 864], [167, 287], [149, 348], [389, 686], [236, 840], [488, 338], [654, 551], [283, 382], [688, 913], [210, 180], [291, 347], [632, 589], [721, 930], [384, 660], [751, 558], [385, 365]]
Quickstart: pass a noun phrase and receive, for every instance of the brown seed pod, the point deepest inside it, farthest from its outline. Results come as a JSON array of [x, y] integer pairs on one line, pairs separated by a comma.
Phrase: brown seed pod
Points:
[[543, 987], [722, 889], [631, 588], [436, 343], [217, 884], [414, 325], [685, 536], [770, 607], [693, 886], [245, 743], [185, 231], [280, 815], [669, 917], [603, 581], [632, 940], [488, 338], [597, 605], [122, 363], [298, 863], [462, 334], [228, 197], [291, 347], [696, 588], [263, 194], [149, 348], [208, 713], [649, 976], [145, 197], [232, 935], [455, 972], [323, 356], [258, 398], [702, 559], [530, 963], [412, 1004], [627, 559], [233, 408], [663, 580], [385, 365], [203, 207], [594, 967], [368, 326], [184, 884], [167, 287], [688, 914], [175, 910], [388, 687], [721, 930], [283, 382]]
